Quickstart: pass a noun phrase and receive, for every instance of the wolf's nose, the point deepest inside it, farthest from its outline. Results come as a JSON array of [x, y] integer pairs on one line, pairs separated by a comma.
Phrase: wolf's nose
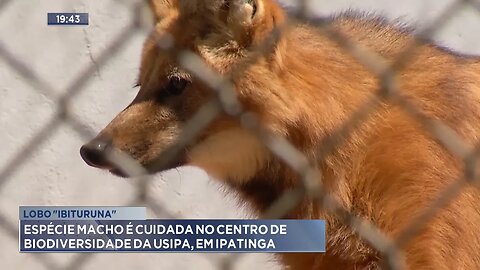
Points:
[[94, 153]]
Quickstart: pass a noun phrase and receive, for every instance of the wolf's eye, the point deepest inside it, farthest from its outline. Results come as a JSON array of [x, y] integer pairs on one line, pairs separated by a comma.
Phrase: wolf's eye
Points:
[[176, 85]]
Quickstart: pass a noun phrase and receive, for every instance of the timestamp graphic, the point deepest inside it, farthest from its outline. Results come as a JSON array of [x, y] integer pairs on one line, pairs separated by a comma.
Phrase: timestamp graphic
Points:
[[67, 18]]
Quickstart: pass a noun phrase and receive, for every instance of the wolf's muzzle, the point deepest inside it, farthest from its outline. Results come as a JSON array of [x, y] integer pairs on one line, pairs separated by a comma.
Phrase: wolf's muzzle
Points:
[[94, 153]]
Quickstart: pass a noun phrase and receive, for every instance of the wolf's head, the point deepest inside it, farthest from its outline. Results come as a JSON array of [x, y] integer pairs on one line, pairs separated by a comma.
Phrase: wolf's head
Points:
[[222, 33]]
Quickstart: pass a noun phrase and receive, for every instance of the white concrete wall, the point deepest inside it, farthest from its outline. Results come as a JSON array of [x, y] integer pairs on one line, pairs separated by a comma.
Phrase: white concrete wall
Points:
[[54, 174]]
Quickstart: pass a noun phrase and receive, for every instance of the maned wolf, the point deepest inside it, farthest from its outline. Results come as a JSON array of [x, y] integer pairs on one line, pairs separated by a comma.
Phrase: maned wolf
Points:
[[387, 171]]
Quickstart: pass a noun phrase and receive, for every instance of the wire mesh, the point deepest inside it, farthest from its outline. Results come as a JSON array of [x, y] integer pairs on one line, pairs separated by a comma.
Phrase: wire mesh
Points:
[[225, 101]]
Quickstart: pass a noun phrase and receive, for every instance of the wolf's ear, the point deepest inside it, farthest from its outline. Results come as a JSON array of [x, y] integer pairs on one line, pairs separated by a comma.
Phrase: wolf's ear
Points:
[[252, 20], [160, 8], [243, 12], [248, 20]]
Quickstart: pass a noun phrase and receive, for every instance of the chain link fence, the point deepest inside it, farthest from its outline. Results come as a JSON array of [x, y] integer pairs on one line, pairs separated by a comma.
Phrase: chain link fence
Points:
[[390, 250]]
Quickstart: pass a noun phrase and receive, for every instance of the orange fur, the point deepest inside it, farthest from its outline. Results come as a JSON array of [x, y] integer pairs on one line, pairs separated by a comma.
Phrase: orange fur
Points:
[[233, 154], [387, 171]]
